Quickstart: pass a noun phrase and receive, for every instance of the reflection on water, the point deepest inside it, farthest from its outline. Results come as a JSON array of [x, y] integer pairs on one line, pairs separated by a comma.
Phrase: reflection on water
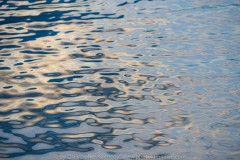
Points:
[[135, 77]]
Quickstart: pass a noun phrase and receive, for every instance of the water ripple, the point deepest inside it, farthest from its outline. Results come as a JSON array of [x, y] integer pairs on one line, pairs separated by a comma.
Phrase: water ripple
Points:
[[127, 78]]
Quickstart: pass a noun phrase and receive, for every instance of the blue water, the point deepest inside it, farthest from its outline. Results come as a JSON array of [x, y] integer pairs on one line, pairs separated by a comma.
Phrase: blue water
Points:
[[119, 79]]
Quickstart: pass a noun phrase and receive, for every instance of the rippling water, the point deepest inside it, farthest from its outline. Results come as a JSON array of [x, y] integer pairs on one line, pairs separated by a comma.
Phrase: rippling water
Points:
[[119, 78]]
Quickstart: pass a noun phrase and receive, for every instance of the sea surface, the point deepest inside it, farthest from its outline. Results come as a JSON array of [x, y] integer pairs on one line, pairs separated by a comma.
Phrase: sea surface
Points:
[[120, 79]]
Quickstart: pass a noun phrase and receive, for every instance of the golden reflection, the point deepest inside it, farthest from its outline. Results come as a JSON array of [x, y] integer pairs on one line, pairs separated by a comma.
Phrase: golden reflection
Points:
[[110, 147], [83, 135]]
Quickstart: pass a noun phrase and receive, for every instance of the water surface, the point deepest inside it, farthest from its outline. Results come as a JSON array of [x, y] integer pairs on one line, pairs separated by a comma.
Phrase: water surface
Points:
[[117, 79]]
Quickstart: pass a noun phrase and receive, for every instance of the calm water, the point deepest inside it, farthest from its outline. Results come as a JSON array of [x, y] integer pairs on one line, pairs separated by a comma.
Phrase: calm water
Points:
[[117, 79]]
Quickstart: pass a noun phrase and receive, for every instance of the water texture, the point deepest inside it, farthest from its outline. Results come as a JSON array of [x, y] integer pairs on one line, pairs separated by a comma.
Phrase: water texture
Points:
[[119, 79]]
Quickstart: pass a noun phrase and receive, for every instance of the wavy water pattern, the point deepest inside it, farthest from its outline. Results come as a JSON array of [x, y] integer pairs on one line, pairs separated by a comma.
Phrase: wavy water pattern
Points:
[[120, 78]]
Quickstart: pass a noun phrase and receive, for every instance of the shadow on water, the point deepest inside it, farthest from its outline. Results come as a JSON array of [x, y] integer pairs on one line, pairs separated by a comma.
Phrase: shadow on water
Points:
[[119, 78]]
